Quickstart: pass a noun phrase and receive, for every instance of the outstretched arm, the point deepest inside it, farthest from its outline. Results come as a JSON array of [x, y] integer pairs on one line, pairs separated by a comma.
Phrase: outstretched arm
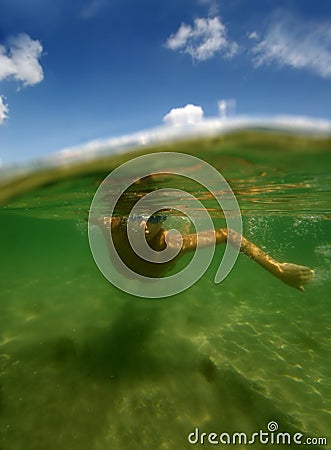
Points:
[[291, 274]]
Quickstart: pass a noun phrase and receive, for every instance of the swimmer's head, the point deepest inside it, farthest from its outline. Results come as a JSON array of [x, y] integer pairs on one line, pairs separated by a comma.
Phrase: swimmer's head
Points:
[[152, 225]]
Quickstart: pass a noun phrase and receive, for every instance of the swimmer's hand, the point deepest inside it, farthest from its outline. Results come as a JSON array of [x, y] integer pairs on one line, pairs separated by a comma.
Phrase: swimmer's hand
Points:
[[295, 275]]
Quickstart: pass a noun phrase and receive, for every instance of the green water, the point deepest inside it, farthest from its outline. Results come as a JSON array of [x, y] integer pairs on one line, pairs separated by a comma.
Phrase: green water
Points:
[[85, 366]]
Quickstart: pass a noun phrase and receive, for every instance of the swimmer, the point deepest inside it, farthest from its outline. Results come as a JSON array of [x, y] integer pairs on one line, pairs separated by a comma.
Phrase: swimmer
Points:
[[158, 239]]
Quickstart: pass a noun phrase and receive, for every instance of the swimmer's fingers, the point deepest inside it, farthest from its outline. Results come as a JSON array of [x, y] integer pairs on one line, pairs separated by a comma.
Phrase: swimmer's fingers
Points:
[[295, 275]]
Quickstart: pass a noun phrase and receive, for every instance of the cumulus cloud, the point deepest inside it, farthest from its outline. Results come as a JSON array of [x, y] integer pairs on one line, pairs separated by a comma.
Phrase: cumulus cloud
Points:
[[20, 60], [3, 110], [187, 115], [289, 42], [207, 37]]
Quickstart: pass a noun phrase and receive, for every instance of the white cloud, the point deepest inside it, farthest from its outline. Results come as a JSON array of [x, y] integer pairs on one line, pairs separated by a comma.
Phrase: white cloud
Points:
[[21, 60], [253, 35], [203, 40], [289, 42], [187, 115], [226, 107], [3, 110]]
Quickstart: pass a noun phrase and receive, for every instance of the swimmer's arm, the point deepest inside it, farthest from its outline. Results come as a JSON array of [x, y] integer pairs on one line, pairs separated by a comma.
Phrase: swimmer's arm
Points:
[[189, 241], [112, 223], [292, 274]]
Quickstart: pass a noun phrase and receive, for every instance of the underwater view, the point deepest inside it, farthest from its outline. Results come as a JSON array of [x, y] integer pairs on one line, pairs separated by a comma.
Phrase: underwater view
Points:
[[84, 365]]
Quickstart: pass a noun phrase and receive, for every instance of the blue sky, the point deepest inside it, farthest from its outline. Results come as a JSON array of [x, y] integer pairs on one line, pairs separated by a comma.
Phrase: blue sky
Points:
[[71, 72]]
